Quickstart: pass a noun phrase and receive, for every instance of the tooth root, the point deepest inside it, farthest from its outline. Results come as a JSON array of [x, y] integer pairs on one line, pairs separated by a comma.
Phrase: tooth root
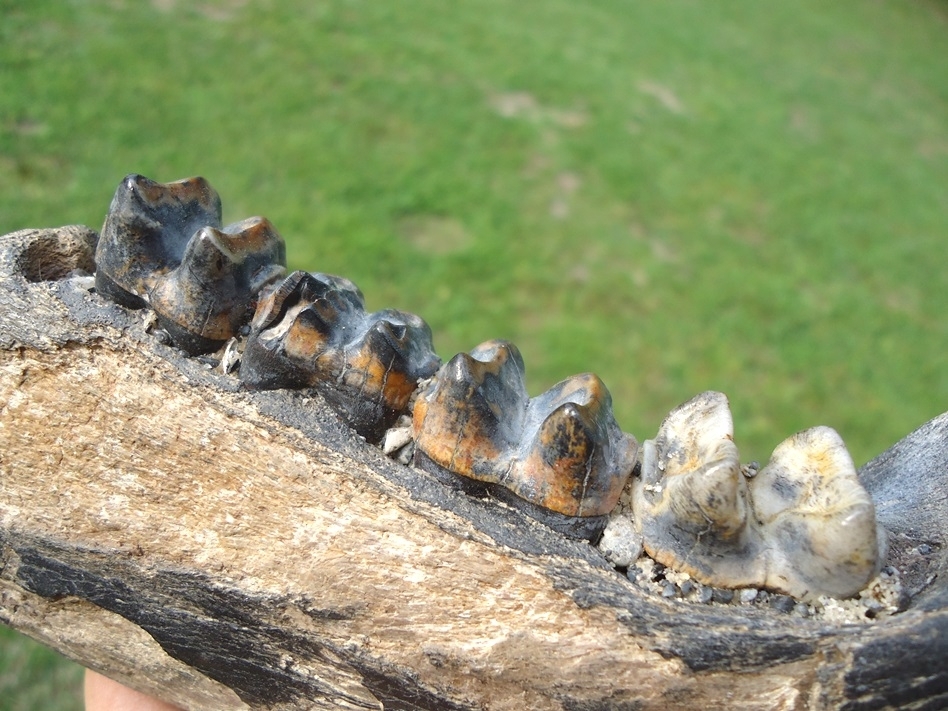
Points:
[[560, 457], [146, 232], [206, 299], [690, 501], [312, 330], [816, 519]]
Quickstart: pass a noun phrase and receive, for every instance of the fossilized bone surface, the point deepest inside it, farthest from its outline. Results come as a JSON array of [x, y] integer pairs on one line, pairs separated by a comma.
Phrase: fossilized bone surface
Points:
[[227, 549]]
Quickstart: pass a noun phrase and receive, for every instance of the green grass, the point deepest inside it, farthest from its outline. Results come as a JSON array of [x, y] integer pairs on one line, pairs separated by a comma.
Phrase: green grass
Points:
[[679, 196]]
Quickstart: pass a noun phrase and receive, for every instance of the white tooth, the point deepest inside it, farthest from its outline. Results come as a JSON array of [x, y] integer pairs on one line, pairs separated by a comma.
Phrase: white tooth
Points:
[[690, 501], [694, 430], [803, 525], [817, 521]]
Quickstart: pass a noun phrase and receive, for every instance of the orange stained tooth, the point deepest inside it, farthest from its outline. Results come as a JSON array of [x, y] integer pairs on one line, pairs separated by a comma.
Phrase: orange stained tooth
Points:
[[247, 237], [313, 331], [162, 244], [554, 472], [303, 341], [367, 372], [459, 424], [561, 452]]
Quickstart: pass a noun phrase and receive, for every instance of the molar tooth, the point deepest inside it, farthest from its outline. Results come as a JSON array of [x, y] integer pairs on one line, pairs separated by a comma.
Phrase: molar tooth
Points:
[[146, 231], [803, 525], [690, 501], [381, 372], [560, 457], [312, 331], [573, 458], [817, 520], [297, 334], [208, 296]]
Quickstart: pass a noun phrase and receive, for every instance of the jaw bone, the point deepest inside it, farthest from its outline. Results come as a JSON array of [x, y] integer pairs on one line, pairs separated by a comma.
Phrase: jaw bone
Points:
[[803, 525]]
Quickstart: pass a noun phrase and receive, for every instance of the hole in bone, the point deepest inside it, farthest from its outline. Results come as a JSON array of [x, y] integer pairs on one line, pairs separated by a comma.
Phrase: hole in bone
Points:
[[55, 257]]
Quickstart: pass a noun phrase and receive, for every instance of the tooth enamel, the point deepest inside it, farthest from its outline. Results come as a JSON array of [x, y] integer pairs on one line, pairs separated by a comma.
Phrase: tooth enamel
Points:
[[560, 457], [146, 231], [483, 394], [803, 525], [312, 331], [206, 298]]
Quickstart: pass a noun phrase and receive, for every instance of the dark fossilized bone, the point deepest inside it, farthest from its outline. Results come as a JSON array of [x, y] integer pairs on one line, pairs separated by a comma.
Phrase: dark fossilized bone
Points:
[[225, 548]]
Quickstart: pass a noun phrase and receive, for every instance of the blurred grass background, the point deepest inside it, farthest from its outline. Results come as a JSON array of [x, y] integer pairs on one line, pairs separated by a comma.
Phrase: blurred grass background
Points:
[[679, 196]]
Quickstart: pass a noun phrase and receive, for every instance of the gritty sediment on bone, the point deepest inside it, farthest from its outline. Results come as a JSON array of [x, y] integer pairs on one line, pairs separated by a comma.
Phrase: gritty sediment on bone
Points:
[[880, 599]]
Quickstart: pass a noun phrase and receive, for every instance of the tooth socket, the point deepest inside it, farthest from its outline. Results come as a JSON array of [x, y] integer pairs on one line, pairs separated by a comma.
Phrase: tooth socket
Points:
[[312, 331], [560, 457], [146, 231]]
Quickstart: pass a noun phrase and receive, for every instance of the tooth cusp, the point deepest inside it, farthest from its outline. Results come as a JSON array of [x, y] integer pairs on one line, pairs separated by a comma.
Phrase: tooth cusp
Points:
[[312, 331], [206, 299], [560, 457]]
